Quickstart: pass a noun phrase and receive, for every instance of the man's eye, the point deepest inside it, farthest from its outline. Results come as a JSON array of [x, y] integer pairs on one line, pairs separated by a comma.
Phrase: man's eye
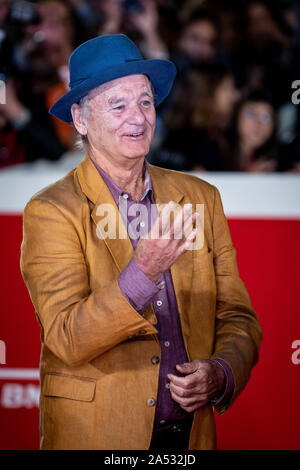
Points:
[[119, 108], [146, 103]]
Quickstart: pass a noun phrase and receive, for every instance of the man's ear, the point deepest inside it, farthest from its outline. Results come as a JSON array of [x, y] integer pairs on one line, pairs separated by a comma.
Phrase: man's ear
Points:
[[78, 119]]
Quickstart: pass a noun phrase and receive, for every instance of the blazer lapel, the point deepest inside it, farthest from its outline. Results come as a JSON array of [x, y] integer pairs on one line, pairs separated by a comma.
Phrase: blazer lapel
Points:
[[98, 193]]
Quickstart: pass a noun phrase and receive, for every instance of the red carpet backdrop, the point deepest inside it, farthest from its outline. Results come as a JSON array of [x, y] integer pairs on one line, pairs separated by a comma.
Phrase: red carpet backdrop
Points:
[[264, 219]]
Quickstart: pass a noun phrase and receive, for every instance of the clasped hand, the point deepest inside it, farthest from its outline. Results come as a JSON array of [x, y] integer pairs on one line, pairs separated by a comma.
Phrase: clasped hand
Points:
[[204, 379]]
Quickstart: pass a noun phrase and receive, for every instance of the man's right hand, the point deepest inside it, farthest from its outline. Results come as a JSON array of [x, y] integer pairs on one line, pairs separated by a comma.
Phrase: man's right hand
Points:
[[165, 242]]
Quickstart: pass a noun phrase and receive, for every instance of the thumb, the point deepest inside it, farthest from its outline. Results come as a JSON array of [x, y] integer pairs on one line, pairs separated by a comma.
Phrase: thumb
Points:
[[188, 367]]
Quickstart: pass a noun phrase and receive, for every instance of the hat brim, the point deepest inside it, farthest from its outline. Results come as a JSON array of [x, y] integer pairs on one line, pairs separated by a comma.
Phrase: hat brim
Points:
[[161, 73]]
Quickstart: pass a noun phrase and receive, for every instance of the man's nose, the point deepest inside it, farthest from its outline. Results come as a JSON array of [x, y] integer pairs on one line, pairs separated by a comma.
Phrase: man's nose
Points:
[[136, 115]]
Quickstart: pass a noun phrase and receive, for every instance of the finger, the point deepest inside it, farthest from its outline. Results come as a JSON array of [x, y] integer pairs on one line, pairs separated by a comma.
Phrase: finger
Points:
[[194, 407], [165, 219], [174, 212], [188, 367], [184, 382], [161, 224], [189, 224], [198, 387], [183, 247], [190, 401], [199, 379], [183, 219], [190, 239], [183, 392]]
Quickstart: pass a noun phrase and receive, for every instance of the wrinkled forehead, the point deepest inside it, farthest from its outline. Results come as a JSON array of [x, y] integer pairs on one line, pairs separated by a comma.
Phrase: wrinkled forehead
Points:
[[129, 86]]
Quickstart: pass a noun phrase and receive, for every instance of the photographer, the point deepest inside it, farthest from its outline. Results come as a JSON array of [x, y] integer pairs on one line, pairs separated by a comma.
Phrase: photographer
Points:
[[37, 41]]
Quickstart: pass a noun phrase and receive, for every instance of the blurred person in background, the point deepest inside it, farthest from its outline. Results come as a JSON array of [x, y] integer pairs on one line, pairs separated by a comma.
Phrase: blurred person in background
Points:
[[256, 147], [196, 46], [197, 41], [265, 59], [4, 7], [139, 19], [143, 21], [37, 41], [88, 12], [229, 25], [25, 137], [58, 33], [197, 123], [289, 114]]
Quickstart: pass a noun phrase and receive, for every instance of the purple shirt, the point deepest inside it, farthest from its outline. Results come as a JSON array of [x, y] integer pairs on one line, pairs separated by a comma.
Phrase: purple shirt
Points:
[[140, 292]]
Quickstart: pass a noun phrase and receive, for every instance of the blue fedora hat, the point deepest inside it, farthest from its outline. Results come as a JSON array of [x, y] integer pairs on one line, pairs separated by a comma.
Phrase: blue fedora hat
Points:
[[106, 58]]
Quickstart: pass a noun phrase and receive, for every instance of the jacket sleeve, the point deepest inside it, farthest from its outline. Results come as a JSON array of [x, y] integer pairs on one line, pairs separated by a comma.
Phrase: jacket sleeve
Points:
[[238, 334], [77, 324]]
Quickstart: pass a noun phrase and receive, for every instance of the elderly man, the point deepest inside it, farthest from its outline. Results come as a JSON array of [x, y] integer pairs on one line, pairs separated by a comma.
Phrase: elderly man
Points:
[[144, 330]]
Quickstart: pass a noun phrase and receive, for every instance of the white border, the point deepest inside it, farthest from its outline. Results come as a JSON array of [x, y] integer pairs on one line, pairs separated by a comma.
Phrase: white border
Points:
[[244, 195]]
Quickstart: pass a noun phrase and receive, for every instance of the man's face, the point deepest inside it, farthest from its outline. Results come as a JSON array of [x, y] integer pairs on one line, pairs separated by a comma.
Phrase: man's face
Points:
[[121, 119]]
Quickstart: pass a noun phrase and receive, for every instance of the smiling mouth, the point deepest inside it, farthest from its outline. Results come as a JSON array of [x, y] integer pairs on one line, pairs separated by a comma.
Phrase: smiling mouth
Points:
[[135, 134]]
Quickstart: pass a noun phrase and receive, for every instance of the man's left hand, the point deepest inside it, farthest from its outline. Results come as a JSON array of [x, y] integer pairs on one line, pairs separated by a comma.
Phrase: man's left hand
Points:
[[204, 379]]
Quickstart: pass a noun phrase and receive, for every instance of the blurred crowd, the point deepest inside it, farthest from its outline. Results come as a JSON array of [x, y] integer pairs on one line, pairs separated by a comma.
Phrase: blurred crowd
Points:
[[231, 107]]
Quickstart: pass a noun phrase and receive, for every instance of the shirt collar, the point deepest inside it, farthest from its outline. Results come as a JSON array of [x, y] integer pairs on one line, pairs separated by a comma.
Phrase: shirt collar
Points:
[[117, 192]]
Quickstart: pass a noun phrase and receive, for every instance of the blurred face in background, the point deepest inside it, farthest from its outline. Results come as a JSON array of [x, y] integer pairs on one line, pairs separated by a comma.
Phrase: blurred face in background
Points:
[[52, 38], [262, 28], [4, 7], [198, 41], [55, 23], [225, 98], [255, 124], [230, 31], [291, 16]]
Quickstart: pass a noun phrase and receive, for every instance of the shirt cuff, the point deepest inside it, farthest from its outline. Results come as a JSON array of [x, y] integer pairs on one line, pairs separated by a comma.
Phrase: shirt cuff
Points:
[[229, 386], [136, 286]]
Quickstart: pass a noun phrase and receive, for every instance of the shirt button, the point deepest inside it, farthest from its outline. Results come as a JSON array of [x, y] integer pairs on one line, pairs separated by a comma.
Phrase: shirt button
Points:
[[155, 360], [159, 303], [125, 196], [142, 224], [167, 344], [167, 385], [151, 401], [162, 421]]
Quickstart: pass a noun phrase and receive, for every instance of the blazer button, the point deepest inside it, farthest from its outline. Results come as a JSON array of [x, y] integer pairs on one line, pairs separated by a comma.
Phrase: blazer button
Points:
[[155, 360], [151, 401]]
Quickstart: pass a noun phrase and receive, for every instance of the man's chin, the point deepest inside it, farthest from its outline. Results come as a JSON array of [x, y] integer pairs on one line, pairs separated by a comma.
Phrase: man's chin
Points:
[[138, 152]]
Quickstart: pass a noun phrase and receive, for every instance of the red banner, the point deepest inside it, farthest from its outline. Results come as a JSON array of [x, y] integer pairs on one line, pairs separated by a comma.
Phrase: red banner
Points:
[[265, 416]]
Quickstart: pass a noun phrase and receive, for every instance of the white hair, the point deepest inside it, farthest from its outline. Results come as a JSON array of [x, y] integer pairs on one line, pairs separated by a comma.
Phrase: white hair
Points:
[[82, 143]]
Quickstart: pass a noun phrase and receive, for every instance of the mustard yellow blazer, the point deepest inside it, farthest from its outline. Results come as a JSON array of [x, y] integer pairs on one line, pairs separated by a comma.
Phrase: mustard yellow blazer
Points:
[[95, 364]]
